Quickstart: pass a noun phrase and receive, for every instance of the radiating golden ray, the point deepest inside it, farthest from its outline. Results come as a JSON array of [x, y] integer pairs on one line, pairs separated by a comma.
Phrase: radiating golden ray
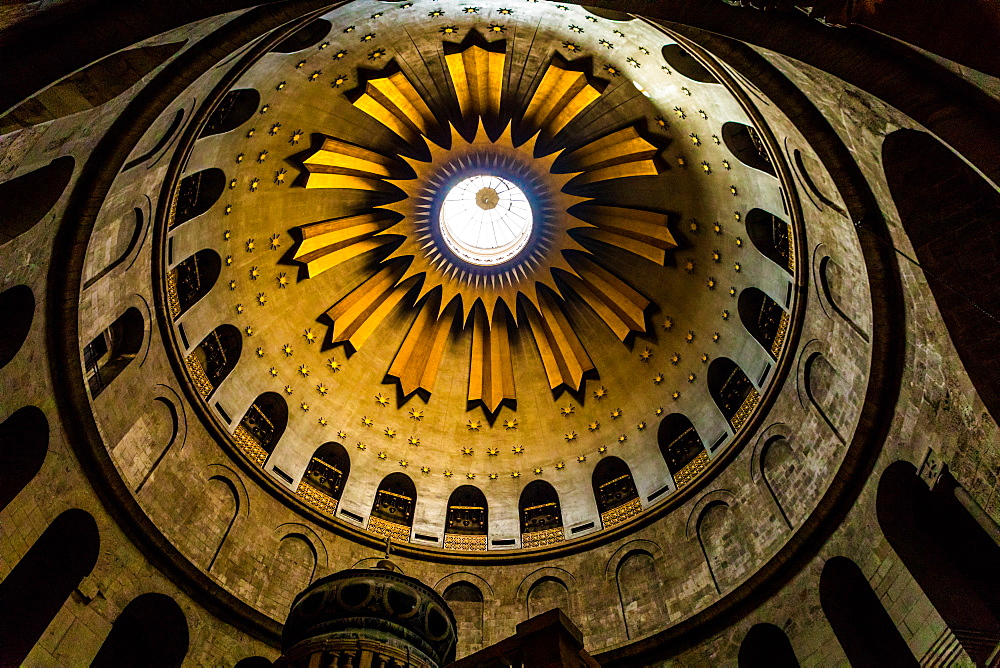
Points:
[[357, 315], [338, 164], [330, 242], [563, 356], [491, 375], [395, 103], [561, 95], [477, 75], [620, 306], [644, 233], [618, 155], [416, 363]]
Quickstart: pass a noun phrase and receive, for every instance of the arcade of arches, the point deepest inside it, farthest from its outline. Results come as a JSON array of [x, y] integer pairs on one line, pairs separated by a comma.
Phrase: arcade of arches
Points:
[[679, 317]]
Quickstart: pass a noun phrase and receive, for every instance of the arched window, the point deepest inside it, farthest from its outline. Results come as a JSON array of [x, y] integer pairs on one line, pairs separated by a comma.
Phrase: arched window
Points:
[[951, 215], [35, 589], [766, 646], [324, 479], [191, 280], [683, 63], [27, 198], [617, 498], [682, 448], [733, 392], [862, 626], [151, 631], [262, 426], [744, 142], [235, 109], [466, 602], [392, 511], [17, 304], [24, 442], [467, 523], [112, 350], [772, 237], [541, 517], [215, 358], [764, 319], [306, 36], [946, 551], [90, 87], [197, 193]]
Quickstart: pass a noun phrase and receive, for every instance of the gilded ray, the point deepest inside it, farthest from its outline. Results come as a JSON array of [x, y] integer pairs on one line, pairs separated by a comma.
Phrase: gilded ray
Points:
[[491, 375], [561, 95], [644, 233], [477, 75], [330, 242], [357, 315], [416, 363], [615, 156], [620, 306], [339, 164], [563, 356], [395, 103]]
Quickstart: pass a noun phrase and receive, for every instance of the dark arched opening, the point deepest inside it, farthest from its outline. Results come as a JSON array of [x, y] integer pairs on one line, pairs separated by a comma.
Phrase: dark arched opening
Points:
[[17, 304], [682, 448], [214, 359], [306, 36], [466, 602], [27, 198], [235, 109], [191, 280], [541, 516], [467, 521], [113, 349], [24, 442], [947, 552], [772, 237], [262, 426], [35, 589], [614, 488], [766, 646], [392, 511], [952, 217], [685, 64], [744, 142], [862, 626], [151, 631], [764, 319], [325, 477], [197, 193], [732, 391]]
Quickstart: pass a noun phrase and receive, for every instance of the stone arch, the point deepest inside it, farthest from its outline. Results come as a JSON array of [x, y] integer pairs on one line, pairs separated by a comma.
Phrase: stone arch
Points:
[[615, 491], [682, 448], [772, 237], [393, 507], [179, 434], [291, 568], [197, 193], [128, 233], [709, 524], [764, 319], [467, 603], [732, 390], [799, 159], [214, 358], [466, 524], [946, 551], [323, 483], [151, 631], [540, 513], [682, 62], [91, 87], [164, 139], [315, 541], [217, 510], [24, 442], [17, 304], [145, 444], [35, 589], [262, 426], [642, 602], [744, 142], [819, 380], [766, 646], [828, 286], [546, 593], [772, 462], [191, 280], [308, 35], [236, 108], [559, 575], [943, 204], [483, 585], [29, 197], [864, 629], [113, 350]]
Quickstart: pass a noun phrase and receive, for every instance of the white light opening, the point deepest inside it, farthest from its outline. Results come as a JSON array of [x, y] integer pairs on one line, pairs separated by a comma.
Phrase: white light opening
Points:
[[485, 220]]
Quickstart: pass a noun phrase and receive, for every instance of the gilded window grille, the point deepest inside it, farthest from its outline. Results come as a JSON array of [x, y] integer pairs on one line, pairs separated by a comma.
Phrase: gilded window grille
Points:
[[691, 470], [779, 337], [743, 414], [317, 498], [543, 537], [616, 516], [791, 250], [198, 376], [387, 529], [465, 542], [173, 298], [249, 445]]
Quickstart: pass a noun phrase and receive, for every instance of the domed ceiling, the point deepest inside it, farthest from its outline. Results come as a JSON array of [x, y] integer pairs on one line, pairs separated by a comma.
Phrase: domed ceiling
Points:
[[480, 245]]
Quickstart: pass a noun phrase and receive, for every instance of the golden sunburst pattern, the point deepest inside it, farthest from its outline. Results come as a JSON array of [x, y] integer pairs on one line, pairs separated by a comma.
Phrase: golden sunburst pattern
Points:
[[420, 268]]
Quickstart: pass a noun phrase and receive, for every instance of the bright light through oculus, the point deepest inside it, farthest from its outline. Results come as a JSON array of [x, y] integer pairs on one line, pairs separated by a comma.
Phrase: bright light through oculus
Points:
[[485, 220]]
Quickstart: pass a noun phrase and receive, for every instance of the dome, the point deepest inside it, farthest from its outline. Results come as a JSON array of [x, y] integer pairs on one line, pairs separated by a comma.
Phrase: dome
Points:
[[654, 316]]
